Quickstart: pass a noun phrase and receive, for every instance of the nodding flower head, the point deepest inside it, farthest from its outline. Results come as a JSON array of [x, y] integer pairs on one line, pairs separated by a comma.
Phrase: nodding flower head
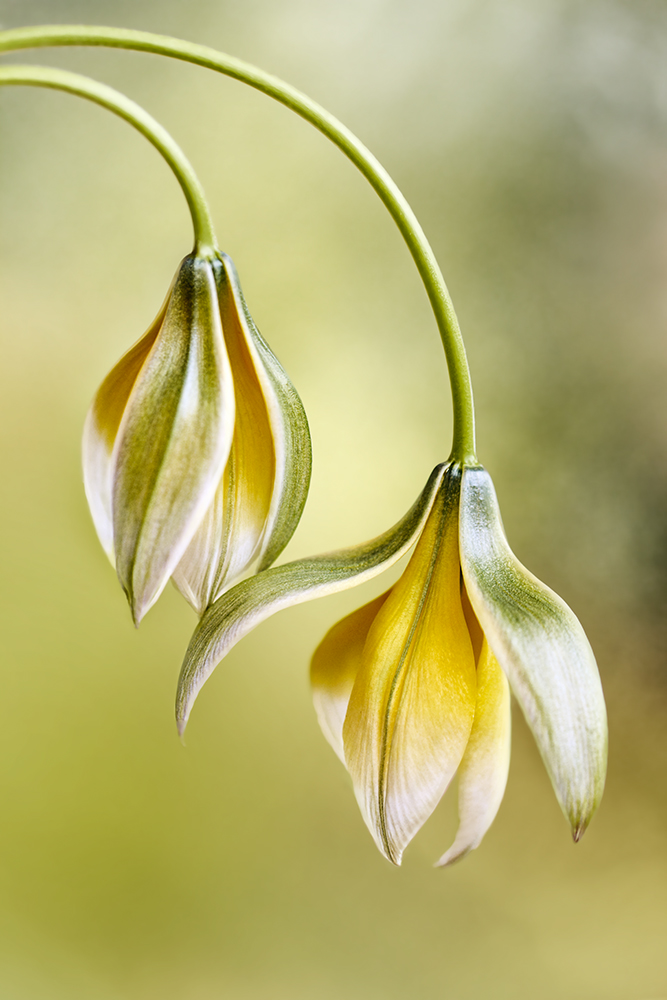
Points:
[[413, 687], [196, 450]]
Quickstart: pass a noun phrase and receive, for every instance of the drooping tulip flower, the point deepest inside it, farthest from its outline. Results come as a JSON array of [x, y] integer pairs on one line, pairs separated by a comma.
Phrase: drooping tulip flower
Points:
[[413, 687], [196, 450]]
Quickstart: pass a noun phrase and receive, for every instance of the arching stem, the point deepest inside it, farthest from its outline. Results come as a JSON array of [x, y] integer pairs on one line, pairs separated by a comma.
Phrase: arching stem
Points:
[[463, 446], [106, 97]]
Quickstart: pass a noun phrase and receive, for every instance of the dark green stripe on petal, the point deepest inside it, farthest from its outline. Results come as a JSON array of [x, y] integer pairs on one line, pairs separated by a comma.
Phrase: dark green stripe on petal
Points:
[[542, 648], [252, 601]]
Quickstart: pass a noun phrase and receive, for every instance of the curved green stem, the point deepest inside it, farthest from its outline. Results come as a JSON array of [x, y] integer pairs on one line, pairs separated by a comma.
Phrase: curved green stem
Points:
[[463, 447], [99, 93]]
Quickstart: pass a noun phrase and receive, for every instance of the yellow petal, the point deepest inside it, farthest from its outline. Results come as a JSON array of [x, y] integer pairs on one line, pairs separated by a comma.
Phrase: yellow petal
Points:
[[482, 775], [286, 419], [101, 428], [413, 702], [334, 668]]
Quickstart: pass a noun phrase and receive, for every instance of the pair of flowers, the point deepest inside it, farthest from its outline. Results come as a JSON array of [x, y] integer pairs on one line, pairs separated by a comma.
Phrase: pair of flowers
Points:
[[197, 464]]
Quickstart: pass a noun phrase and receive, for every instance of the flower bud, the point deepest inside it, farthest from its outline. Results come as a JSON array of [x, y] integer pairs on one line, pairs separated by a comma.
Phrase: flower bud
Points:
[[196, 450]]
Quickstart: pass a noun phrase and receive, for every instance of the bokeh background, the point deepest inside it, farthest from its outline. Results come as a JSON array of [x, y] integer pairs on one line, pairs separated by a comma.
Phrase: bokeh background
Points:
[[531, 139]]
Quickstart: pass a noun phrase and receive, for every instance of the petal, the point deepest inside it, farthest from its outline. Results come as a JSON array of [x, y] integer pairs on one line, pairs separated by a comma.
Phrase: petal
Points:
[[542, 648], [412, 706], [239, 524], [482, 775], [334, 668], [174, 438], [101, 428], [286, 417], [252, 601]]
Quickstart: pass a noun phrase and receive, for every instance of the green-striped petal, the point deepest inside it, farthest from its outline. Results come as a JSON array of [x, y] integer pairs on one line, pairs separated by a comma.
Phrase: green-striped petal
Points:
[[174, 438], [252, 601], [542, 648], [101, 429]]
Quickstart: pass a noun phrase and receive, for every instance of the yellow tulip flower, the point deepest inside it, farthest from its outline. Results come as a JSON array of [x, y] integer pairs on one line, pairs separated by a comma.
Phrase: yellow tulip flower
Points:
[[413, 687]]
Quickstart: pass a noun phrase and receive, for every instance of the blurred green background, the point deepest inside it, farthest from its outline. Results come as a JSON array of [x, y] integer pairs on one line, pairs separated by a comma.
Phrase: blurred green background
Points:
[[531, 139]]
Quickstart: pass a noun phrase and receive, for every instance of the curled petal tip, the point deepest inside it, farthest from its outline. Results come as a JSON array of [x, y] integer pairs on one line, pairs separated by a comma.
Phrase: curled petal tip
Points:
[[181, 722], [450, 857]]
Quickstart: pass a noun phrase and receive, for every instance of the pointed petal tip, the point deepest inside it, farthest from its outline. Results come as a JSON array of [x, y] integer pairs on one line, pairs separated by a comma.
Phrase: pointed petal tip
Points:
[[388, 851], [137, 611], [451, 856], [578, 831]]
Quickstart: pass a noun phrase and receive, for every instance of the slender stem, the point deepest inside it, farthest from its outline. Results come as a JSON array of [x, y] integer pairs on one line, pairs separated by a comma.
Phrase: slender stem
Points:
[[99, 93], [463, 447]]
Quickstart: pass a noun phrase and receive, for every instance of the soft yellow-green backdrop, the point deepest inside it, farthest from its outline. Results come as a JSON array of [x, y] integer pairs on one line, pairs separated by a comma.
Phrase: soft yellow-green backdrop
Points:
[[531, 139]]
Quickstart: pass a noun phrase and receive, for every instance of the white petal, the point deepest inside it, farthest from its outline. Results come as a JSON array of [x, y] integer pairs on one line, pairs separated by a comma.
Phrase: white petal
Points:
[[542, 648]]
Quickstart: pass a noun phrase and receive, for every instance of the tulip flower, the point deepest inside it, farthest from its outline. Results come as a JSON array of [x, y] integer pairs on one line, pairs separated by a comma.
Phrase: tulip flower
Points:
[[413, 687], [196, 450]]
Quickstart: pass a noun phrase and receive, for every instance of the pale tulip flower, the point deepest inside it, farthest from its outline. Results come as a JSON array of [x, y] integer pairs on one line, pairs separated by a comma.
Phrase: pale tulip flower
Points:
[[196, 450], [413, 687]]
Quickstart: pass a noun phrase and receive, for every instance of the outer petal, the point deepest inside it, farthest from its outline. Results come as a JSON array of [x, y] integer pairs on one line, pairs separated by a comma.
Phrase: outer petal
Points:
[[252, 601], [482, 775], [334, 669], [542, 648], [101, 428], [174, 438], [265, 483], [413, 701]]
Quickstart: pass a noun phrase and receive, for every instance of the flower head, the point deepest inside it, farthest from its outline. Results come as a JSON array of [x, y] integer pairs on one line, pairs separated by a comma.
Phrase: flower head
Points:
[[413, 687], [196, 450], [406, 689], [409, 689]]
